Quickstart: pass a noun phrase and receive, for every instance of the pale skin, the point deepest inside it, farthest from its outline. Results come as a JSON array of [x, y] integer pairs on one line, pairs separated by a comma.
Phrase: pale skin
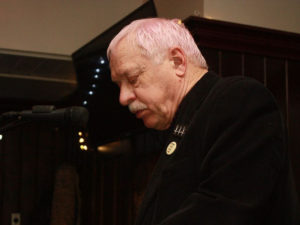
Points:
[[160, 87]]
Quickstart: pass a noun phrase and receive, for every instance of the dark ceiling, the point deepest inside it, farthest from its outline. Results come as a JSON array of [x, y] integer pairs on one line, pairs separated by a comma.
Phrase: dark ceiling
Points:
[[36, 79]]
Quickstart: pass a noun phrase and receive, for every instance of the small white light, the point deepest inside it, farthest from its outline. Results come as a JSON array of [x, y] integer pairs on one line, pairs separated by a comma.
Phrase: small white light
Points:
[[81, 140], [93, 85], [97, 70], [79, 133], [1, 137], [84, 102], [101, 60], [96, 76], [91, 92]]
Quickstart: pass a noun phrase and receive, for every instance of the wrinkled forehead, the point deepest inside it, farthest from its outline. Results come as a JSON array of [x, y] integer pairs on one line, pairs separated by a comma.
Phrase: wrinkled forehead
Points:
[[125, 60], [122, 43], [125, 52], [122, 54], [124, 47]]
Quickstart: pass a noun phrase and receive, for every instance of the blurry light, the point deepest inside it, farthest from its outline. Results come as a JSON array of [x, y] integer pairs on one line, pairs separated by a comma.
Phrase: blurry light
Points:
[[103, 148], [83, 147], [91, 92], [81, 140], [208, 17], [115, 147], [101, 60], [93, 85], [80, 133], [1, 137], [97, 70], [96, 76], [84, 102]]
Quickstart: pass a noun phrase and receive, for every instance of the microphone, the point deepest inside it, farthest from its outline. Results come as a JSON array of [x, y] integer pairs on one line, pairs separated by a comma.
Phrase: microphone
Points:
[[75, 115]]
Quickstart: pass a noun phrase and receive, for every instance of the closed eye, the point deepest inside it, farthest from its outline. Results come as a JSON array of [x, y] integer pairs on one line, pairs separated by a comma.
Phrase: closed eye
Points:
[[133, 79]]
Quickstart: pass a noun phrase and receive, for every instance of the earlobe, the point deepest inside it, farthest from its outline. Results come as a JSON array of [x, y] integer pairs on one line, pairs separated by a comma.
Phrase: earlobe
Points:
[[178, 59]]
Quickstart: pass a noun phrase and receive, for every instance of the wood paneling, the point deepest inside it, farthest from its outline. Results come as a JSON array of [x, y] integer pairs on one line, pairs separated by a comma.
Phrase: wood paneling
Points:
[[275, 81], [242, 38], [29, 158], [232, 64], [11, 172], [29, 150], [212, 57], [106, 187], [254, 67], [294, 116]]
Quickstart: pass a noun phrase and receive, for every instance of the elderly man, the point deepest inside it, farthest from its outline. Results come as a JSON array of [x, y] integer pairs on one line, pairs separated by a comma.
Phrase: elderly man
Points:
[[225, 160]]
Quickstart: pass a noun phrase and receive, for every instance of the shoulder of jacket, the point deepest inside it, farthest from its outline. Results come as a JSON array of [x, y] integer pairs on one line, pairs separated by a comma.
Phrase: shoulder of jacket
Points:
[[239, 83]]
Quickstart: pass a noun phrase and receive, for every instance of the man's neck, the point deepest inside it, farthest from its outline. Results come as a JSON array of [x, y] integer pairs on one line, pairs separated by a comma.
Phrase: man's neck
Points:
[[194, 76]]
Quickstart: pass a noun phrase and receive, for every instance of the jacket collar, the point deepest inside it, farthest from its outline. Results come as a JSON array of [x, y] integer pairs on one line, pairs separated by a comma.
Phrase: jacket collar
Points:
[[191, 102]]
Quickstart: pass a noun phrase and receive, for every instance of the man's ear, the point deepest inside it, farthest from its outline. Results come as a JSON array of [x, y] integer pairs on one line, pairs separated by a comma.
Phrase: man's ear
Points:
[[178, 60]]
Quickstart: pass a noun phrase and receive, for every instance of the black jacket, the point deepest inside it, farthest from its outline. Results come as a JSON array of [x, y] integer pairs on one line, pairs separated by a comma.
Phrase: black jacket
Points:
[[230, 163]]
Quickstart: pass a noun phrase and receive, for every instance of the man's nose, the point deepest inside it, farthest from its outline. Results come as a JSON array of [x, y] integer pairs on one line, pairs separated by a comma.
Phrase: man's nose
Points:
[[126, 95]]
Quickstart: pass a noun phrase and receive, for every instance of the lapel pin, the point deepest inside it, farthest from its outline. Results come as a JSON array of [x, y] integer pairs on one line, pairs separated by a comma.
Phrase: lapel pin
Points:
[[179, 131], [171, 148]]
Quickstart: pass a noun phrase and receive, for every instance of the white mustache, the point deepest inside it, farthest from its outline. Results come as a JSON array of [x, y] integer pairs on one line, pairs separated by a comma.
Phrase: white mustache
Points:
[[136, 106]]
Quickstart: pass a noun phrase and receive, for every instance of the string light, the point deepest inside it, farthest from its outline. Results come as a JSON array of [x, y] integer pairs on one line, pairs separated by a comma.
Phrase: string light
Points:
[[101, 60], [83, 147], [82, 141], [91, 92], [84, 102], [96, 76], [1, 137], [97, 70]]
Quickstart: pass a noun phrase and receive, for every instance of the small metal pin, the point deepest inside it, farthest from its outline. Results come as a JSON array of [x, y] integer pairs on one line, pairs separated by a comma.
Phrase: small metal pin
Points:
[[171, 148], [179, 130]]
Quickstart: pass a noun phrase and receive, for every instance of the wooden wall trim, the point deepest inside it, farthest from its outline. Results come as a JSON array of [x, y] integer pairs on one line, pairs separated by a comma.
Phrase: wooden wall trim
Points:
[[244, 38]]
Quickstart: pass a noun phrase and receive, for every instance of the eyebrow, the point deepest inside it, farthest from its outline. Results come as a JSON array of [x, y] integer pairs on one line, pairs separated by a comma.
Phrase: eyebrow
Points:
[[135, 71]]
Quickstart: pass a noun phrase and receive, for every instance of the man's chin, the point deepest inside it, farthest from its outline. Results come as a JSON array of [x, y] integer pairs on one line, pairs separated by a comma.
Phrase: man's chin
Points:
[[154, 124], [140, 114]]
